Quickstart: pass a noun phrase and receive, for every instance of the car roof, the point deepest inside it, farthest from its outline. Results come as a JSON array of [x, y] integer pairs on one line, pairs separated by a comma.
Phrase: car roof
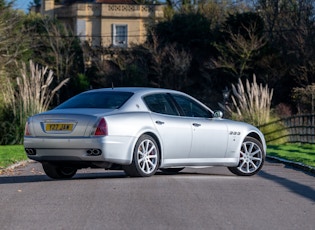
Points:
[[133, 90]]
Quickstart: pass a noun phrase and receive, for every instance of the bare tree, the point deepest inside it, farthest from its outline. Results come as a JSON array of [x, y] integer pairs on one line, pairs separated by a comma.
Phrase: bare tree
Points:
[[149, 64], [237, 54], [290, 27], [12, 38], [218, 11], [170, 65], [56, 48], [175, 66]]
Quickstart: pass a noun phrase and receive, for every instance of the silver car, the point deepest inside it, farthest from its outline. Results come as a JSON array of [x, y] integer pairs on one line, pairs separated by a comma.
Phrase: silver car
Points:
[[140, 130]]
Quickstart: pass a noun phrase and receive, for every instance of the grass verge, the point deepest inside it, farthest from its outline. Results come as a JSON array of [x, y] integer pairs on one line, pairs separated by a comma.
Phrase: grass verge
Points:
[[302, 153], [11, 154]]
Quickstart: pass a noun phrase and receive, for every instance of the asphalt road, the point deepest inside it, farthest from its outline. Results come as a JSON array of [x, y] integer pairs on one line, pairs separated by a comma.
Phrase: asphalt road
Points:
[[278, 197]]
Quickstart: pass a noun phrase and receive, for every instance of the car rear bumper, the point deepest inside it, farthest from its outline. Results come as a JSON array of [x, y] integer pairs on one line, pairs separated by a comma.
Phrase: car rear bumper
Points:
[[113, 149]]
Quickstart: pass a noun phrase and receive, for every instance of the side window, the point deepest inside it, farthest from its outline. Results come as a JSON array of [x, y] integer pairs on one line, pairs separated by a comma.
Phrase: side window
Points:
[[190, 107], [159, 103]]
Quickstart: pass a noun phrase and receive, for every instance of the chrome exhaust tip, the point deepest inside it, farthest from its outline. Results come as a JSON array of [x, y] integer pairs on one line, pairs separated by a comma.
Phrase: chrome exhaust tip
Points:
[[30, 151], [94, 152]]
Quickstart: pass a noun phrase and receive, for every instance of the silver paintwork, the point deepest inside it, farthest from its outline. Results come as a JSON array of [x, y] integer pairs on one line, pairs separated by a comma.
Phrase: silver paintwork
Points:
[[183, 141]]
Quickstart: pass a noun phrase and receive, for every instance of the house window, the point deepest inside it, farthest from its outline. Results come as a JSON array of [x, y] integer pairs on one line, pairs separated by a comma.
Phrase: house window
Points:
[[81, 30], [120, 35]]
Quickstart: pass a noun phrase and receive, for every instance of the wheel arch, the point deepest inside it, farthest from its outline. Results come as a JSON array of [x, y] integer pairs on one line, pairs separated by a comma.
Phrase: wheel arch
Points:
[[153, 135], [135, 169], [258, 137], [157, 140]]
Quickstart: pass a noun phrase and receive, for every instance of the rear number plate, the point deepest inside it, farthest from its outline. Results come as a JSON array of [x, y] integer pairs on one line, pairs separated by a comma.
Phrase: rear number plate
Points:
[[59, 127]]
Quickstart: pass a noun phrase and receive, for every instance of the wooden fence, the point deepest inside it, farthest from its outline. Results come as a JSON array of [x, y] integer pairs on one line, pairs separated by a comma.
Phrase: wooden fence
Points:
[[299, 128]]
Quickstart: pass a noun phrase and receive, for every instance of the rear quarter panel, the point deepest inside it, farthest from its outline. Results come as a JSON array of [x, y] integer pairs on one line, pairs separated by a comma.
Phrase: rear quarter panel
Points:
[[130, 124]]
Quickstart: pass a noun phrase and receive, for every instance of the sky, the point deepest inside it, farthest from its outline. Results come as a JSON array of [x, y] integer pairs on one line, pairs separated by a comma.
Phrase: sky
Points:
[[22, 4]]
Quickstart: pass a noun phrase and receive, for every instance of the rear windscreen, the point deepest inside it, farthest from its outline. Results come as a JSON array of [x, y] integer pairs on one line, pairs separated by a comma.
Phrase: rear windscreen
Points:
[[99, 100]]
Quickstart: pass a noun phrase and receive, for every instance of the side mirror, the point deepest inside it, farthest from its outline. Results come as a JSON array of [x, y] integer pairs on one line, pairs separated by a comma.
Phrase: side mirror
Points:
[[218, 114]]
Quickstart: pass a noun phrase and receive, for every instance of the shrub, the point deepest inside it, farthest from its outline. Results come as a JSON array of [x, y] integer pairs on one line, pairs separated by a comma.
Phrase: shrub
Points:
[[304, 98]]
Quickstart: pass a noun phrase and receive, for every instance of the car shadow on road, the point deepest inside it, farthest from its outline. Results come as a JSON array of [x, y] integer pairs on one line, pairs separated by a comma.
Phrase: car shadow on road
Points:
[[298, 188], [23, 179], [16, 179]]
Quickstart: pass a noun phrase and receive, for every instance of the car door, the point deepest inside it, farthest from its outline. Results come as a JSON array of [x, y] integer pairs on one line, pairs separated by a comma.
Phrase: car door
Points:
[[210, 138], [175, 132], [209, 135]]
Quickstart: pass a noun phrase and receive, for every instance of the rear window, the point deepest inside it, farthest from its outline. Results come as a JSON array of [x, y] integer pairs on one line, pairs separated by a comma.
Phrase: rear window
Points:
[[98, 100]]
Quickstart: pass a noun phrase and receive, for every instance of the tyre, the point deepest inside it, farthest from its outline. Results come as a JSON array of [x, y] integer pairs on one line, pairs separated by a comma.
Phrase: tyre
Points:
[[58, 172], [146, 158], [171, 170], [252, 158]]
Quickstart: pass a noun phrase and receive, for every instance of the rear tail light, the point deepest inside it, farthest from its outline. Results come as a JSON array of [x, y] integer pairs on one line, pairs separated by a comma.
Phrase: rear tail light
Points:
[[101, 129], [27, 130]]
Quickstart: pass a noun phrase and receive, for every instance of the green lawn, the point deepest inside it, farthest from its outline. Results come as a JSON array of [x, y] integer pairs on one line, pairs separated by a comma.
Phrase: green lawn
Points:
[[11, 154], [303, 153]]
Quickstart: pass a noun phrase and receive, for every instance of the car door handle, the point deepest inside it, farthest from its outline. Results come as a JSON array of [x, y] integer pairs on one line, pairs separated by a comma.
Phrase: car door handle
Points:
[[196, 124], [159, 122]]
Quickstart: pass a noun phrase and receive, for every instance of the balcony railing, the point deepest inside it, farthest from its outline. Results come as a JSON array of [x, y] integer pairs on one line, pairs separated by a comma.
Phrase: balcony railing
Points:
[[109, 10]]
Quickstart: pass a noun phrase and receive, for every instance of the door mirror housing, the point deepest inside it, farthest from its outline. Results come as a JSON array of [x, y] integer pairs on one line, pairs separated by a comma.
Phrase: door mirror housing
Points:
[[218, 114]]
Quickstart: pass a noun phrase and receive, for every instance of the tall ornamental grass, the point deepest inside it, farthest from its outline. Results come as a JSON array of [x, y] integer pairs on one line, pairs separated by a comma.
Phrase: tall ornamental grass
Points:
[[31, 94], [251, 103]]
